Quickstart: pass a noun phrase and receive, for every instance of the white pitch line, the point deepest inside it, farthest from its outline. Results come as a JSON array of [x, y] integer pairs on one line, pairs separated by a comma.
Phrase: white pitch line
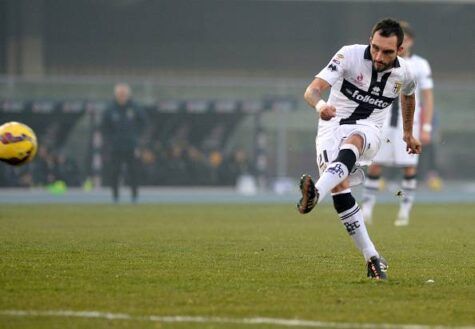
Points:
[[222, 320]]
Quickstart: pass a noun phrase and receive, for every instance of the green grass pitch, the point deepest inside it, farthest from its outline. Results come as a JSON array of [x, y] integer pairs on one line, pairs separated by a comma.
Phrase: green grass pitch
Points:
[[236, 261]]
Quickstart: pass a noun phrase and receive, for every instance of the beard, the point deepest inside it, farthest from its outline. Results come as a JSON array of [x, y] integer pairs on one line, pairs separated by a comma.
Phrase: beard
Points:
[[380, 66]]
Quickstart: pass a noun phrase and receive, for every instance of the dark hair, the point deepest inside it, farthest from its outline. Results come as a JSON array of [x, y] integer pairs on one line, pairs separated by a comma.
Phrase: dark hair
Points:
[[407, 29], [389, 27]]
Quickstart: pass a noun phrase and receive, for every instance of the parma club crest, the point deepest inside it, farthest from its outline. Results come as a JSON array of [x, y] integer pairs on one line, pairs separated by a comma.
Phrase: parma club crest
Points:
[[397, 87]]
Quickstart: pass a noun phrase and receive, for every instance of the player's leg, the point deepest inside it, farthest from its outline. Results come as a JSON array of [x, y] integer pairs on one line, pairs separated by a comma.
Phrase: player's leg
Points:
[[115, 166], [335, 173], [409, 183], [385, 156], [334, 178], [352, 218], [408, 186], [370, 191], [133, 172], [339, 169], [337, 154]]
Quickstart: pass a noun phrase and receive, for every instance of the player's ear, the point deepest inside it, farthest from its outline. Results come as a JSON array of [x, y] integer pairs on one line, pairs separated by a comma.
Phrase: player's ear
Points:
[[370, 39], [399, 50]]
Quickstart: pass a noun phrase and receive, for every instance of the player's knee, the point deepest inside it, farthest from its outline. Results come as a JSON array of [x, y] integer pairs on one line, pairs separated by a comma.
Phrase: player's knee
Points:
[[357, 140], [374, 170], [410, 171], [345, 185]]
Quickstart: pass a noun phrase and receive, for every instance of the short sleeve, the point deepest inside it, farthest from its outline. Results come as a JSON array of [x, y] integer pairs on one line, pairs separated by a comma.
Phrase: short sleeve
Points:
[[336, 67], [409, 85], [425, 76]]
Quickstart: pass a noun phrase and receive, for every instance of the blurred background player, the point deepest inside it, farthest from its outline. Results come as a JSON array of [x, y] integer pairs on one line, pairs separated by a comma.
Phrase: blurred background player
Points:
[[393, 149], [122, 124]]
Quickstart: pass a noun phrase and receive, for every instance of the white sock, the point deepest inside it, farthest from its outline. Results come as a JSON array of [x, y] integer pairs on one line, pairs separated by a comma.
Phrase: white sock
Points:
[[352, 218], [371, 187], [337, 171], [408, 185], [331, 177]]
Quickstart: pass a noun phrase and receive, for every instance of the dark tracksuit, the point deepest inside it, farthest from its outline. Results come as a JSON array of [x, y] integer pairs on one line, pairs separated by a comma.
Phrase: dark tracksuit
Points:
[[121, 127]]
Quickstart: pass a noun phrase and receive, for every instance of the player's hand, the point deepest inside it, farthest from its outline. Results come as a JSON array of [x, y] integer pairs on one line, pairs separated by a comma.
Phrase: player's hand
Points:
[[425, 137], [413, 145], [327, 112]]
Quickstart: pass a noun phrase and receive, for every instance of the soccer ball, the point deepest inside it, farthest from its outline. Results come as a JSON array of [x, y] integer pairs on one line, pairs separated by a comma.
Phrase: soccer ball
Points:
[[18, 143]]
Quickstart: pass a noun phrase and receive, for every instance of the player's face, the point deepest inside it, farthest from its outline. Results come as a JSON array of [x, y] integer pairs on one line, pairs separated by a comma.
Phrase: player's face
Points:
[[384, 51]]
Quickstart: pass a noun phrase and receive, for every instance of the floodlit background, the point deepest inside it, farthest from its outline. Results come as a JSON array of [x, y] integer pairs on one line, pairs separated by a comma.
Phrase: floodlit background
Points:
[[222, 83]]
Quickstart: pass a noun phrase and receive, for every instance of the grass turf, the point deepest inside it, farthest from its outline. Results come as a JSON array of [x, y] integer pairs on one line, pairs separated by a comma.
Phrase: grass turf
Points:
[[232, 261]]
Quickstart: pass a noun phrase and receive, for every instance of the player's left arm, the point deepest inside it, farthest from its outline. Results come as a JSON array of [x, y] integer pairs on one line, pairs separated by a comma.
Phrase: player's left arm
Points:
[[408, 105], [427, 115]]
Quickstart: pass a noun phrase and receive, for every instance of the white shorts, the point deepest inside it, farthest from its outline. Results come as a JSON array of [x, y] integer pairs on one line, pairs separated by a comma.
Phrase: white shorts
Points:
[[328, 144], [393, 149]]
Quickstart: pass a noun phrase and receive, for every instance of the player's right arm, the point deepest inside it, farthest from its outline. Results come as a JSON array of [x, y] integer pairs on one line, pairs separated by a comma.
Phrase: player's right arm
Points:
[[313, 97], [327, 77]]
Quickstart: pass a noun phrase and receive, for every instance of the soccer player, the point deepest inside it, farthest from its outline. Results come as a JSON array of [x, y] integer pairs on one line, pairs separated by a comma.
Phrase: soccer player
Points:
[[392, 152], [364, 81]]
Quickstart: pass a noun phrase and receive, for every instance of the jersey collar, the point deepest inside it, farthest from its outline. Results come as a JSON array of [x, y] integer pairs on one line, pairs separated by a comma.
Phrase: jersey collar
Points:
[[367, 55]]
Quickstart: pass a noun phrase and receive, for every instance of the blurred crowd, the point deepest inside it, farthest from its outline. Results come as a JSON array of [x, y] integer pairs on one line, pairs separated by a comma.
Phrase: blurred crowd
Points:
[[177, 164], [185, 164], [47, 168]]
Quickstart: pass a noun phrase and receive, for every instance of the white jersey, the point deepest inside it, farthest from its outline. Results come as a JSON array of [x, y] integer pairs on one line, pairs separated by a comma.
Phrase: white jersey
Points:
[[393, 149], [423, 76], [360, 94]]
